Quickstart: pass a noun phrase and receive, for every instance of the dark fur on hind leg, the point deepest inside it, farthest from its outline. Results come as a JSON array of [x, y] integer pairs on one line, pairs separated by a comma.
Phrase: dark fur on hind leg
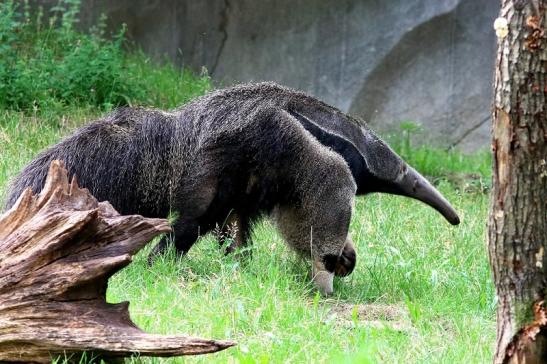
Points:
[[184, 235]]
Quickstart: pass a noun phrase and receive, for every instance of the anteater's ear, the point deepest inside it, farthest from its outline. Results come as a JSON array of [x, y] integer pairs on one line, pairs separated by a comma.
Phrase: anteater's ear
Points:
[[336, 142]]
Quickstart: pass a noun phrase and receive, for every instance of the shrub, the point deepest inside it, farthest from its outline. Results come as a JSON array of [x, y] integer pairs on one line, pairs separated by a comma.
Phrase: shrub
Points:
[[46, 63]]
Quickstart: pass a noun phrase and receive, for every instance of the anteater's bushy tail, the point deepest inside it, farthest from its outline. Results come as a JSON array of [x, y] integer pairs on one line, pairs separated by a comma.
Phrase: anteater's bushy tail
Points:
[[33, 176]]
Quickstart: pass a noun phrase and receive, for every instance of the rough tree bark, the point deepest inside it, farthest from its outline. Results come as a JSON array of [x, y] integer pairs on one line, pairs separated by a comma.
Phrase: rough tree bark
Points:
[[518, 215], [57, 251]]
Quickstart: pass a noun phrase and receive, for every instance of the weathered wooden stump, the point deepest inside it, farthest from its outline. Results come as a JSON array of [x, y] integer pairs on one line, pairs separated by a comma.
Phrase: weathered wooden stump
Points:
[[57, 251]]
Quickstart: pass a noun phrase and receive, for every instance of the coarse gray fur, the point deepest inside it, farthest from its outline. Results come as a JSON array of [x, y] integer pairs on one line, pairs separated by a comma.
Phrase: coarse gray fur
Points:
[[252, 149]]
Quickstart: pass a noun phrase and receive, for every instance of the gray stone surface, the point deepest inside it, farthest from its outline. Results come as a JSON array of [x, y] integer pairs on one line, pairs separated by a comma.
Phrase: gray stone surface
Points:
[[426, 61]]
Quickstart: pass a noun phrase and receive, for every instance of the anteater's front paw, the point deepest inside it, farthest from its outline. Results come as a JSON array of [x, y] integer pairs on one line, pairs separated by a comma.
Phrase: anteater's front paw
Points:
[[346, 261]]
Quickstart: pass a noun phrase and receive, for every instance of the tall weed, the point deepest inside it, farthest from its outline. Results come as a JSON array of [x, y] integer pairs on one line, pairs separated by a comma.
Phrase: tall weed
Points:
[[47, 64]]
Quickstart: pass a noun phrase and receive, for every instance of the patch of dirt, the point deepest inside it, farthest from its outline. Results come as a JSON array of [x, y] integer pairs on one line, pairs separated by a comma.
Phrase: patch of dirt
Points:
[[372, 314]]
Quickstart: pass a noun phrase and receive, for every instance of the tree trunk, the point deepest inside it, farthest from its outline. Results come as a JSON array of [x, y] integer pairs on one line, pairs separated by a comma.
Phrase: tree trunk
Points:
[[518, 215], [57, 251]]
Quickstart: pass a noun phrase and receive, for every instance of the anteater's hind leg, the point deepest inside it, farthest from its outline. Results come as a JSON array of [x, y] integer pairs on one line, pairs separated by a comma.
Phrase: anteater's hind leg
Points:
[[192, 206], [184, 235]]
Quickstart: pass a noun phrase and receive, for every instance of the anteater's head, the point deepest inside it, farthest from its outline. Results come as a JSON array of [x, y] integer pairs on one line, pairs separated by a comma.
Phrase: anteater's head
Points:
[[374, 165]]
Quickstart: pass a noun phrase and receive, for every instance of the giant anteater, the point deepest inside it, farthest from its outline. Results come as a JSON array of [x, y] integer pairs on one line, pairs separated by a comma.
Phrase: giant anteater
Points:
[[248, 150]]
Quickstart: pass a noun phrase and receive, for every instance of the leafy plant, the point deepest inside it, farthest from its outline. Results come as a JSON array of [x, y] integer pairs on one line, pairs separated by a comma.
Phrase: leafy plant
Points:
[[44, 67]]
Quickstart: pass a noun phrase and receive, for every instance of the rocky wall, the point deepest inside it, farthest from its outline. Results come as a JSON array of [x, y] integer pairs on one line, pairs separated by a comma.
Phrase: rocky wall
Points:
[[426, 61]]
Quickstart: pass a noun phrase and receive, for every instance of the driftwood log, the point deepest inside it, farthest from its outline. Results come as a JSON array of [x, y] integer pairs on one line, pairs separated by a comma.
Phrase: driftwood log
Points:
[[57, 252]]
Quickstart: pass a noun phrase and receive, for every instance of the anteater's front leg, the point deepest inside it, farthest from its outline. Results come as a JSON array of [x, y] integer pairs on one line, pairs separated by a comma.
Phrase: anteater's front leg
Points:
[[318, 228], [317, 194]]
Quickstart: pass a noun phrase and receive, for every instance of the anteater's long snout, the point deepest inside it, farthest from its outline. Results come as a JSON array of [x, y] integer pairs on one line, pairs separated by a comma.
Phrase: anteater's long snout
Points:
[[413, 184]]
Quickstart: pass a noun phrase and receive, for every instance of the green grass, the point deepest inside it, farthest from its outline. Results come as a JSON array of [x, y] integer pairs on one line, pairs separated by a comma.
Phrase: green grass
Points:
[[435, 278], [46, 65], [409, 258]]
